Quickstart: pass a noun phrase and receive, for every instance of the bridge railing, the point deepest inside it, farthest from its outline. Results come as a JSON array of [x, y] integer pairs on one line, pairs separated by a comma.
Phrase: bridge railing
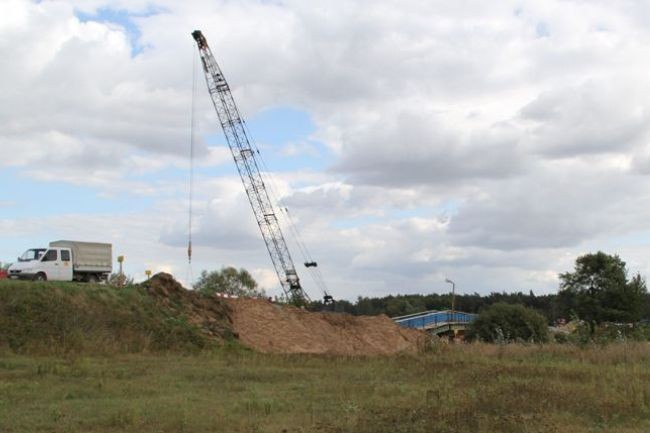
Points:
[[432, 319]]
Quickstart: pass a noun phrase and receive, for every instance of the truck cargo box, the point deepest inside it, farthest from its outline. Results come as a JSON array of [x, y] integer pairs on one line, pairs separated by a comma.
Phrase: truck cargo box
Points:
[[88, 256]]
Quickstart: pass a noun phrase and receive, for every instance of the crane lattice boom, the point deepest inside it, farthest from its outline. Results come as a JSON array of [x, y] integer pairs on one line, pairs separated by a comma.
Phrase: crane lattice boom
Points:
[[244, 156]]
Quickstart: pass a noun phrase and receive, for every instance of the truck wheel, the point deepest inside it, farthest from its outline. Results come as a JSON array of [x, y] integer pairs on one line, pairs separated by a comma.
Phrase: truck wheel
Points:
[[40, 277]]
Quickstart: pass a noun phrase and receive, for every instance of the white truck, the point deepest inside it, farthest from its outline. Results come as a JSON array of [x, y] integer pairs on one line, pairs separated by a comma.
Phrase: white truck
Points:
[[65, 261]]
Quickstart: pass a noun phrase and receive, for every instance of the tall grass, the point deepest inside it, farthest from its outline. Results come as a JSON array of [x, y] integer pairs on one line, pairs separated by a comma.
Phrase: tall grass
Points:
[[470, 388]]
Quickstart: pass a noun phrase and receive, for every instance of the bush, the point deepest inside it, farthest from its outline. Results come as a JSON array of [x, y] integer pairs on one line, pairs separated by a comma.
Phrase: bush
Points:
[[608, 333], [504, 323]]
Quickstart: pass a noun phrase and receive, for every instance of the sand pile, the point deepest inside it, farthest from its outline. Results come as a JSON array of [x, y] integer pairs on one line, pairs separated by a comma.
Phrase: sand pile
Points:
[[210, 314], [266, 327]]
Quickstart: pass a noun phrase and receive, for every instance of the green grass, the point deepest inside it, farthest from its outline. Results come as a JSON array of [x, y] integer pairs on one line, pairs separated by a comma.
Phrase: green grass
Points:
[[91, 358], [470, 388], [68, 318]]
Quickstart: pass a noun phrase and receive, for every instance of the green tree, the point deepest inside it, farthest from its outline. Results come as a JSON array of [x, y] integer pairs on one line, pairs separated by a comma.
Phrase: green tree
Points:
[[228, 281], [509, 323], [599, 290]]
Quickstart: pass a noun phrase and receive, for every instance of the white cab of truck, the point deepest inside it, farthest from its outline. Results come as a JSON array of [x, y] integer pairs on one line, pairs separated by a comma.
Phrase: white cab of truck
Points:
[[65, 261]]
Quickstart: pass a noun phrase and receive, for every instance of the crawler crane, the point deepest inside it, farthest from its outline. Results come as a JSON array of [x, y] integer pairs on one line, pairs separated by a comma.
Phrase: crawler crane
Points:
[[247, 164]]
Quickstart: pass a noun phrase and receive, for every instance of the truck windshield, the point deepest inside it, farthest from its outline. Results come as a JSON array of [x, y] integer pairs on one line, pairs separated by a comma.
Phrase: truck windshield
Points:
[[31, 254]]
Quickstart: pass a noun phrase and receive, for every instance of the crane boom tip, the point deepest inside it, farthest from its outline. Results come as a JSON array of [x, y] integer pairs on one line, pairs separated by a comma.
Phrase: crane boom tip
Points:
[[199, 38]]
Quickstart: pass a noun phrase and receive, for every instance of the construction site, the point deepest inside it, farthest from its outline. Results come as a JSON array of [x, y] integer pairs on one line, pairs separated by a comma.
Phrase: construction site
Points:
[[285, 329], [444, 163], [259, 324]]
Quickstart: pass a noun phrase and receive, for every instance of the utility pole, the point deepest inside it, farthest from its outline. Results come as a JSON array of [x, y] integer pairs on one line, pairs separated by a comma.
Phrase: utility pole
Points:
[[453, 307], [453, 296]]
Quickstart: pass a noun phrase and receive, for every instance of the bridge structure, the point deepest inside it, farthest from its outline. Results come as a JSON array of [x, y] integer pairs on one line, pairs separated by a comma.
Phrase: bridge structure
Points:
[[438, 322]]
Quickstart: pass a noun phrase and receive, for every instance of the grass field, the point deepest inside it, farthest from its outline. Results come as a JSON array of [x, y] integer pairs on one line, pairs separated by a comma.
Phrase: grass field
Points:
[[465, 388]]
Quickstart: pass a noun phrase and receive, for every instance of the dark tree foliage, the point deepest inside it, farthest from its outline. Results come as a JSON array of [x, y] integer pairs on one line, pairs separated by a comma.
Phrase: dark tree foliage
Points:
[[599, 290], [401, 305], [229, 281], [509, 323], [551, 306]]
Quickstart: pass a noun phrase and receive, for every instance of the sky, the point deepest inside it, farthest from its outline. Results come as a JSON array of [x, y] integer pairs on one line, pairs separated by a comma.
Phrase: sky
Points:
[[490, 143]]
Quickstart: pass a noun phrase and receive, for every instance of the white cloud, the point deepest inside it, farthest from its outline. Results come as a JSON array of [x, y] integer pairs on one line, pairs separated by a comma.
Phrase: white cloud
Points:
[[491, 142], [595, 117]]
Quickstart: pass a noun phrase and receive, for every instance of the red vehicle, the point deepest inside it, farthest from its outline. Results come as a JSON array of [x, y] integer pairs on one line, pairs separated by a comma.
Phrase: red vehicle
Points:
[[3, 274]]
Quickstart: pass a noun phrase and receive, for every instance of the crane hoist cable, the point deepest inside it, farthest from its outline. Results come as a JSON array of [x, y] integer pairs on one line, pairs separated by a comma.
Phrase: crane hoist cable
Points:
[[190, 276], [310, 264]]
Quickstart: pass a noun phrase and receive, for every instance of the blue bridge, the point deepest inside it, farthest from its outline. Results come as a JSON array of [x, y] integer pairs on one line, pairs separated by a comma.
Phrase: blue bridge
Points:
[[437, 322]]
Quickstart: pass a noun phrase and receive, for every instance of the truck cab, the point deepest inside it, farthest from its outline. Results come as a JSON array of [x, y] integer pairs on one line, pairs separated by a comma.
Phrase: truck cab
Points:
[[23, 263], [53, 264]]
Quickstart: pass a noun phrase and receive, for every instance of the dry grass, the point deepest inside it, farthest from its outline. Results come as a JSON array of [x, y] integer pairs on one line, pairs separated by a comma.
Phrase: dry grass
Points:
[[472, 388]]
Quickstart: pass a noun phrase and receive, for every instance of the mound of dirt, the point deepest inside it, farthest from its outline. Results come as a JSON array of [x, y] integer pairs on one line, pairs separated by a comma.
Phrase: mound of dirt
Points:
[[271, 328], [210, 314], [267, 327]]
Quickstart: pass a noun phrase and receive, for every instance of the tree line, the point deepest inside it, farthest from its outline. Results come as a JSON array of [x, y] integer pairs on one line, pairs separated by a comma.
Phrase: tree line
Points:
[[401, 305], [598, 290]]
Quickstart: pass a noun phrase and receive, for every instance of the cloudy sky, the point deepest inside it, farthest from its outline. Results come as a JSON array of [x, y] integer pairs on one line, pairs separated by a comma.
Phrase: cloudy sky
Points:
[[486, 142]]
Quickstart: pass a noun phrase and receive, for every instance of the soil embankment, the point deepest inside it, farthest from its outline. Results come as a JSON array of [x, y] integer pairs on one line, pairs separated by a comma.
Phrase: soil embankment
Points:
[[161, 315], [52, 317], [271, 328], [210, 314]]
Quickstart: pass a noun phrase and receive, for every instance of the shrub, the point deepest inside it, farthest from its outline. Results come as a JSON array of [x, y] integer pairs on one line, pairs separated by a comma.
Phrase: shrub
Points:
[[509, 323]]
